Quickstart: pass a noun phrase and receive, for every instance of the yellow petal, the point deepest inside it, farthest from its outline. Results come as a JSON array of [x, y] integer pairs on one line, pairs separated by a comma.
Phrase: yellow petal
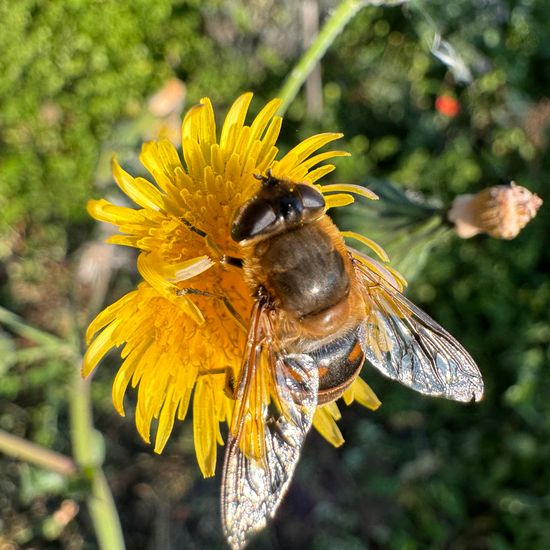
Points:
[[104, 211], [194, 159], [204, 428], [124, 375], [312, 161], [191, 309], [162, 161], [325, 424], [337, 200], [349, 188], [189, 127], [262, 120], [207, 127], [108, 315], [217, 159], [123, 240], [333, 410], [374, 246], [147, 266], [166, 419], [234, 121], [320, 172], [190, 268], [304, 149], [98, 348], [242, 139], [364, 394], [268, 152], [183, 406], [144, 413], [150, 268], [139, 190]]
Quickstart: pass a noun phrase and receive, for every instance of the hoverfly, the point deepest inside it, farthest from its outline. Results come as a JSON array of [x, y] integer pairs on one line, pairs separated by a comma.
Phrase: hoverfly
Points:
[[321, 309]]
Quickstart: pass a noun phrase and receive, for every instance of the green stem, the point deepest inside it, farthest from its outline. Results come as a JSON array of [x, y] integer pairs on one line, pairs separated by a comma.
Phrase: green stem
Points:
[[29, 332], [34, 354], [85, 442], [22, 449], [331, 29]]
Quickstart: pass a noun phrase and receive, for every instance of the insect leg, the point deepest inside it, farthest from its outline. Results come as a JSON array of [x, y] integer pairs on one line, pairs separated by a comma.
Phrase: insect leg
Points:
[[226, 302], [217, 253], [229, 383]]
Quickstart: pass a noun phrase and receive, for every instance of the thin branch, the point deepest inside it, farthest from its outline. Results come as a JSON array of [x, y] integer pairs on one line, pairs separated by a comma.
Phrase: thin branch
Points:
[[341, 16], [21, 449], [85, 450], [18, 325]]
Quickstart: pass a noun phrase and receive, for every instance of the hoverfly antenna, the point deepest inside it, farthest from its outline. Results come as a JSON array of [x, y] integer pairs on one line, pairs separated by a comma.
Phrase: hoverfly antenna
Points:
[[268, 180]]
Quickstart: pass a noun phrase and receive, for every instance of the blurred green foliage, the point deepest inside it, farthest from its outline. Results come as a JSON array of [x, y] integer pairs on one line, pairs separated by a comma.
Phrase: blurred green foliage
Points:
[[71, 70], [419, 473]]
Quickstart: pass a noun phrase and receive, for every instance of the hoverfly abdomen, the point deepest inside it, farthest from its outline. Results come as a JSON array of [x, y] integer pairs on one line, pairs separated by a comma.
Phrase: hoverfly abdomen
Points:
[[339, 363]]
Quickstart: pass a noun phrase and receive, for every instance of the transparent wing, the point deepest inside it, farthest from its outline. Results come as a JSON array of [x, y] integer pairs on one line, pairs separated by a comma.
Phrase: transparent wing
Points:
[[260, 461], [405, 344]]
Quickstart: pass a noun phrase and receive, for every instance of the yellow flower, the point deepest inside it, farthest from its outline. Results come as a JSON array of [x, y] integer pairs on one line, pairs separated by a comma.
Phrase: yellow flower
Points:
[[180, 345]]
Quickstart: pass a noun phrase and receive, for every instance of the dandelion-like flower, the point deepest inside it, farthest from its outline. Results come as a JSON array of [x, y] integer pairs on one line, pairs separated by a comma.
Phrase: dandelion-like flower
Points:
[[183, 329]]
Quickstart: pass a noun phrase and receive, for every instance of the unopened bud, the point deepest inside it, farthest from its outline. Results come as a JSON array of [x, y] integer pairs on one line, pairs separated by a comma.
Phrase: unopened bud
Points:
[[501, 211]]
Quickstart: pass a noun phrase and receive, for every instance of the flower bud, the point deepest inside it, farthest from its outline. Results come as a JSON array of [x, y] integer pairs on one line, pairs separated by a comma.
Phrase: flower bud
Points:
[[501, 211]]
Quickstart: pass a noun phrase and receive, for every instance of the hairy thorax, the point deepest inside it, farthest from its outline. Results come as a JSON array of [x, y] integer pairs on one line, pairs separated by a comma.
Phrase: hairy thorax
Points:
[[304, 270], [306, 273]]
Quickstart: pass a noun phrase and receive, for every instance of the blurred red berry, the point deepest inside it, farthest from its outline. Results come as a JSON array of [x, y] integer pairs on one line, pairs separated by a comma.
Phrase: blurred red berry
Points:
[[447, 105]]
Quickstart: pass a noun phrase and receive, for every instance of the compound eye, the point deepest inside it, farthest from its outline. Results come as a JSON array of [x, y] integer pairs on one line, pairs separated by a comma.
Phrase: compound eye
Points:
[[290, 207], [312, 201], [252, 219]]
